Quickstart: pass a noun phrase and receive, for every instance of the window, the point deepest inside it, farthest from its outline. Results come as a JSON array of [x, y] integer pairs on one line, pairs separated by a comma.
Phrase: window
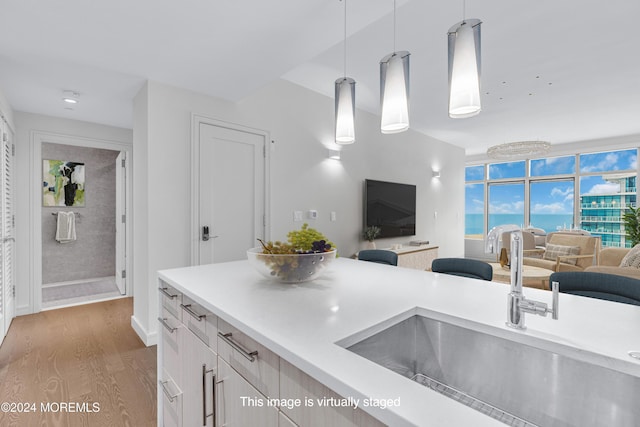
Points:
[[609, 161], [591, 191], [474, 211], [474, 173], [553, 166], [551, 204], [506, 204], [506, 170]]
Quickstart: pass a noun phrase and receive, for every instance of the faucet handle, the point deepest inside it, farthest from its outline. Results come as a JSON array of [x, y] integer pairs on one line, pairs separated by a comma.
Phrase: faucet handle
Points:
[[555, 289]]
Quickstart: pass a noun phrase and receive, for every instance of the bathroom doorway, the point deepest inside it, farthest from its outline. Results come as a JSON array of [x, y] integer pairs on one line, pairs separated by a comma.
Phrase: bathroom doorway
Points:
[[83, 224]]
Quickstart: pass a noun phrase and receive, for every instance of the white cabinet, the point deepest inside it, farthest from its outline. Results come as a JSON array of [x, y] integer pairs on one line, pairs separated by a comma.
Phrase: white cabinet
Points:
[[198, 385], [259, 365], [295, 384], [284, 421], [187, 361], [213, 374], [241, 404]]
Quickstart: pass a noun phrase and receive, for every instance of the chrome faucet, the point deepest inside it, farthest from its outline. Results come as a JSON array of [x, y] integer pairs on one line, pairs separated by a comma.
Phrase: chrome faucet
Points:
[[517, 304]]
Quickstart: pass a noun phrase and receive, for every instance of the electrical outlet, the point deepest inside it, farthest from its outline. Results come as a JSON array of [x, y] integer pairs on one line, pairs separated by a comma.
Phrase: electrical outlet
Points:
[[333, 216]]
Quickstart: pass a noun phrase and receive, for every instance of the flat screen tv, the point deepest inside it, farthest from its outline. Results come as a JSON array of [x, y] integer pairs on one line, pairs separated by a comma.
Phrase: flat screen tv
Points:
[[390, 206]]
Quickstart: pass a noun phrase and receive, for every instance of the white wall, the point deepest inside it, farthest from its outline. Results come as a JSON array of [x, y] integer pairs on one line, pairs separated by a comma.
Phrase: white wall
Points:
[[26, 124], [300, 123]]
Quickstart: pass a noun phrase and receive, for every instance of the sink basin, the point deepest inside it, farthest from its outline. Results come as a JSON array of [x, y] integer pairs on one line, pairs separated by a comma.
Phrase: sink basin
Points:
[[516, 383]]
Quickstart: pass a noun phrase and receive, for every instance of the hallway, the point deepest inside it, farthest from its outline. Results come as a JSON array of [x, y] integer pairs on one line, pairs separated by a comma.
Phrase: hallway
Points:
[[87, 353]]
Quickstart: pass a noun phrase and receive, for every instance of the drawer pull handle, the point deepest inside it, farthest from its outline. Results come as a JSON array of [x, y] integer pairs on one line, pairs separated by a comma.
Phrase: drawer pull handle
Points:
[[188, 309], [167, 294], [166, 391], [206, 371], [250, 356], [170, 328]]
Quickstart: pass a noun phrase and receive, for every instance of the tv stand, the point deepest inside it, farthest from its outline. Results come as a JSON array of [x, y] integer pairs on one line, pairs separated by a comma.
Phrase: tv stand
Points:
[[418, 257]]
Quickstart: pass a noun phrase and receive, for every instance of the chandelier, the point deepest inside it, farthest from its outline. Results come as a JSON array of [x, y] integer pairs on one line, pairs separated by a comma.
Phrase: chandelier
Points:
[[519, 149]]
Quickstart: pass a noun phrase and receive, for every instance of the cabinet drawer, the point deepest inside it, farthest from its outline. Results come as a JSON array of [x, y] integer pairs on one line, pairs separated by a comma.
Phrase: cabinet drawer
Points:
[[200, 321], [170, 298], [296, 384], [284, 421], [240, 404], [171, 404], [171, 330], [236, 348]]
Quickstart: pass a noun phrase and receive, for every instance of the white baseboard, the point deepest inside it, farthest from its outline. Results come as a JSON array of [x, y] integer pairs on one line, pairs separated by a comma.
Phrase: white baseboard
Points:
[[23, 310], [147, 338], [76, 282]]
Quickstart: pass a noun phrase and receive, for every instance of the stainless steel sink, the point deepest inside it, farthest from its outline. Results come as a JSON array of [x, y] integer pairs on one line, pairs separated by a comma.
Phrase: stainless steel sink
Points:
[[516, 383]]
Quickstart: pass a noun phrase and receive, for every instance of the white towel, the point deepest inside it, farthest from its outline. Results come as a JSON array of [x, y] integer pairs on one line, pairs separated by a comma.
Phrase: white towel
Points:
[[66, 229]]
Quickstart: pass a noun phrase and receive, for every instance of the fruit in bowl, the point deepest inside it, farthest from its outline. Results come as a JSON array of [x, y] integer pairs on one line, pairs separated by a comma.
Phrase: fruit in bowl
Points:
[[304, 257]]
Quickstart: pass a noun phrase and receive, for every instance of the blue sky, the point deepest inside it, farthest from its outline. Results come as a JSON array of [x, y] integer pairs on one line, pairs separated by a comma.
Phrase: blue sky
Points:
[[548, 197]]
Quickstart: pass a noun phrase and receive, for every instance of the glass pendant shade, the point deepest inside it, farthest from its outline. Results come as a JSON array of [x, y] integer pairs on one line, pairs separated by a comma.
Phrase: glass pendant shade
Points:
[[394, 92], [345, 99], [464, 69]]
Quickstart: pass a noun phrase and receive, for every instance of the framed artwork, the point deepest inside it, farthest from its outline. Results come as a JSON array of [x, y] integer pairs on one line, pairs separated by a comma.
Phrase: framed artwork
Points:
[[62, 183]]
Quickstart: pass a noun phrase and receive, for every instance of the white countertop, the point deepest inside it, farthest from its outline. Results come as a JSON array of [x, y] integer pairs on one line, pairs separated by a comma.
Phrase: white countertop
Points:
[[303, 322]]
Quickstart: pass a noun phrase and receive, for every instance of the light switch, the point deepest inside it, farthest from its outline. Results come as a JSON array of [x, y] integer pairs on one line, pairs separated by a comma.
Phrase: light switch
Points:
[[297, 216], [313, 214]]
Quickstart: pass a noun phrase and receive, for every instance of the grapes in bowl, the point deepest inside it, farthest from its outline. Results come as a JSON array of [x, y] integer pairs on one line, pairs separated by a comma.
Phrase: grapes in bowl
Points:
[[303, 257], [290, 268]]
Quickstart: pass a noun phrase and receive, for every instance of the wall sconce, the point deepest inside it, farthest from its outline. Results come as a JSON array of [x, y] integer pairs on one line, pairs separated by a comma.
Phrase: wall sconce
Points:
[[334, 154], [435, 174]]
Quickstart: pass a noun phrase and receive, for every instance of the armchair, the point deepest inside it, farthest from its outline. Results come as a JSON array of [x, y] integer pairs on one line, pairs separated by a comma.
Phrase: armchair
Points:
[[529, 248], [610, 261], [566, 252], [539, 235]]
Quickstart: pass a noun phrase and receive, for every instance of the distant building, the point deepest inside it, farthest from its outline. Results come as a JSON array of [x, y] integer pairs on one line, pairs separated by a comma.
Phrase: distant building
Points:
[[603, 214]]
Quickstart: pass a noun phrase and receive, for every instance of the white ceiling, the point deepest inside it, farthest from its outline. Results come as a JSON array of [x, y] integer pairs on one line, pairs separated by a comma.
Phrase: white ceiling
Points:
[[561, 71]]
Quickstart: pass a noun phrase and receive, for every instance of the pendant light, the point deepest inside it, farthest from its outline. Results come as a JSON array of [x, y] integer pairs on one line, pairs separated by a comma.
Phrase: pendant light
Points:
[[394, 88], [464, 68], [345, 99]]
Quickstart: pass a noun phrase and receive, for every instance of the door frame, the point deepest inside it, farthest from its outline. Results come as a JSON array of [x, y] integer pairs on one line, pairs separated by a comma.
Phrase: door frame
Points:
[[196, 121], [121, 222], [35, 204]]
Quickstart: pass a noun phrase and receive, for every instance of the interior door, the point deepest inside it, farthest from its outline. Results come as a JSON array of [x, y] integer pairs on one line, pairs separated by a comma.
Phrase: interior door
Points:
[[7, 244], [232, 192], [121, 222]]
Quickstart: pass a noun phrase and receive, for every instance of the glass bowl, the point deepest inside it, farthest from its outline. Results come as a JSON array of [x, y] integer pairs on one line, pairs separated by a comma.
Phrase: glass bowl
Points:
[[290, 268]]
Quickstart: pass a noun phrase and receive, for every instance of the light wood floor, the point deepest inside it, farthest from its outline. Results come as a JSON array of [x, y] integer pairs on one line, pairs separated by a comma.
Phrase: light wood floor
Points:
[[79, 354]]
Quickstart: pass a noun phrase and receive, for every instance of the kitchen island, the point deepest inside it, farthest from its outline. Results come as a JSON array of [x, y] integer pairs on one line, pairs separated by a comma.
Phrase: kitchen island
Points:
[[308, 326]]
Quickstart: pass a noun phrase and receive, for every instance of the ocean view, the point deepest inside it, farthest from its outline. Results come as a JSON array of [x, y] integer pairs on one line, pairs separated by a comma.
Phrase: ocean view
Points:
[[548, 222]]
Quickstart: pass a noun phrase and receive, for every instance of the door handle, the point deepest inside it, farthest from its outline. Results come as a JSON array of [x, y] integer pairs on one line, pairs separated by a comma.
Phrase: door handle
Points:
[[205, 234]]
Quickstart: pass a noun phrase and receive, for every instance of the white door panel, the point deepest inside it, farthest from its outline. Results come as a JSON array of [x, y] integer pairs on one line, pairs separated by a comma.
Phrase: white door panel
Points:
[[232, 192], [7, 240]]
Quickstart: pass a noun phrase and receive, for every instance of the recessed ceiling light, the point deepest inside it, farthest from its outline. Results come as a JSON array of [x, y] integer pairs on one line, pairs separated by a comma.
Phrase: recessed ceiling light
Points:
[[70, 96]]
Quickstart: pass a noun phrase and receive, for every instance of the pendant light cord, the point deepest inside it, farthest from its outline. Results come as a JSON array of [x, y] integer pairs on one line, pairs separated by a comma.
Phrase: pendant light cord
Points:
[[394, 26], [345, 38], [464, 10]]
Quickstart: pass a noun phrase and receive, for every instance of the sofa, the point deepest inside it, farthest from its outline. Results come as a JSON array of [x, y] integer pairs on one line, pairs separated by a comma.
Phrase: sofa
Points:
[[566, 252], [609, 263]]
